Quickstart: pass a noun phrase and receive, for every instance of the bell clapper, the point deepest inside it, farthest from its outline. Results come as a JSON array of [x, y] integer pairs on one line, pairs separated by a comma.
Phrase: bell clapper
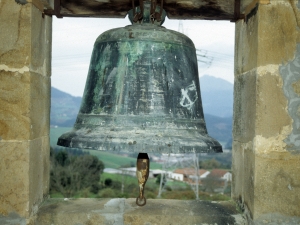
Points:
[[142, 173]]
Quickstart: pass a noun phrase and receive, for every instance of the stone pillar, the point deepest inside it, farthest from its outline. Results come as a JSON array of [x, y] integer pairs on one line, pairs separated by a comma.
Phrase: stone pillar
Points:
[[266, 131], [25, 67]]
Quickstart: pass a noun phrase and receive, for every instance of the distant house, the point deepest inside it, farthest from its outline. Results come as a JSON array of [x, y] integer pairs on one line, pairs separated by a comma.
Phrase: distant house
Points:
[[221, 174], [176, 176], [157, 172], [131, 171], [112, 171], [189, 174]]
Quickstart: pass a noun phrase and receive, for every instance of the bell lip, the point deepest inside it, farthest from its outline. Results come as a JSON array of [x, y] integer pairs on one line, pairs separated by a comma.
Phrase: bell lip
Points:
[[72, 140]]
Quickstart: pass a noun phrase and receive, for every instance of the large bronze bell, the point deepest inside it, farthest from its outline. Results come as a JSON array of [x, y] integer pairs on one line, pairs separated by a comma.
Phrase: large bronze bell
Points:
[[142, 93]]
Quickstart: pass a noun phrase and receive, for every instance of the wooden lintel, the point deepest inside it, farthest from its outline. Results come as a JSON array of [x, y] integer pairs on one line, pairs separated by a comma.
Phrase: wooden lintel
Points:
[[176, 9]]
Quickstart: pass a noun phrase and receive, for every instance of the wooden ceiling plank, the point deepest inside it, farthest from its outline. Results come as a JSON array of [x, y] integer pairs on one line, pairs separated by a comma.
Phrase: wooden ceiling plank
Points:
[[176, 9]]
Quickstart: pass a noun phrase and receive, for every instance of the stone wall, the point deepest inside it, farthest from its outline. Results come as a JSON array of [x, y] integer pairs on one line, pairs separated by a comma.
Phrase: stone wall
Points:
[[266, 149], [25, 69]]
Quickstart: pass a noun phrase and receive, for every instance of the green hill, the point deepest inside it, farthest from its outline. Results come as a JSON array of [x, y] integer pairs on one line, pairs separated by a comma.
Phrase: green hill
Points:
[[64, 108], [217, 96], [219, 128]]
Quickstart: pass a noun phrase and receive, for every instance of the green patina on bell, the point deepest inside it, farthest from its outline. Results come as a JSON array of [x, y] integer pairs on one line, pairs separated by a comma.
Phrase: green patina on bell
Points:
[[142, 93]]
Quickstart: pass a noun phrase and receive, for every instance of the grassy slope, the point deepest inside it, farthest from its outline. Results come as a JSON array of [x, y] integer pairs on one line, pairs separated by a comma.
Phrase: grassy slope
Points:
[[173, 190]]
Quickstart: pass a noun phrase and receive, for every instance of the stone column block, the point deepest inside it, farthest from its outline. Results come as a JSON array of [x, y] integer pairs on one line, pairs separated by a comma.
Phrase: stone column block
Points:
[[25, 105], [25, 68], [277, 184], [14, 176], [24, 175], [265, 133]]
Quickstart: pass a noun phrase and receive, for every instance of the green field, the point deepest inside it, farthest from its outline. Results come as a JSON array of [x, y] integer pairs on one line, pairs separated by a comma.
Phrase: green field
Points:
[[173, 190], [110, 160], [115, 161]]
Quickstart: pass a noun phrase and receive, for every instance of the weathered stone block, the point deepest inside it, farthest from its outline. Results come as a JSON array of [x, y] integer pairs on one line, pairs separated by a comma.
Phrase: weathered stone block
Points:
[[41, 43], [244, 107], [243, 175], [14, 176], [27, 38], [267, 36], [15, 34], [25, 56], [246, 45], [25, 105], [249, 177], [237, 172], [39, 172], [271, 106], [45, 152], [39, 105], [24, 176], [277, 33], [260, 145], [277, 184], [15, 106]]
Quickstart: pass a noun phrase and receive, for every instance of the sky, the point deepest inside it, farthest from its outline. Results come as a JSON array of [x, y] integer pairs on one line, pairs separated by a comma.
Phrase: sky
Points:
[[73, 40]]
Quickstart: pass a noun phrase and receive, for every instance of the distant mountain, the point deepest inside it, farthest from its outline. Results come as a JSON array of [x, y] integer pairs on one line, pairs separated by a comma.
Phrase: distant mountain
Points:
[[64, 108], [219, 128], [217, 96]]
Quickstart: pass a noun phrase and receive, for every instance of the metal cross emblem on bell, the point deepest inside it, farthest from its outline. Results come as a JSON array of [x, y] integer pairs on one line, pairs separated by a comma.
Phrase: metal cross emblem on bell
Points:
[[142, 93]]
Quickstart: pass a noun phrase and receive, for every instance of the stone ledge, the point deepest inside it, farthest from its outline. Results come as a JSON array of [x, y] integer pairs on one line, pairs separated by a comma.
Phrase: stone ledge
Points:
[[275, 219], [126, 212]]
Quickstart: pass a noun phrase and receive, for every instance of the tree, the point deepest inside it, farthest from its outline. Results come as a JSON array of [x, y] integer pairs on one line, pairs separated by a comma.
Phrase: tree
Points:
[[95, 188], [209, 164], [211, 182], [108, 182], [70, 174], [62, 158], [164, 180], [88, 168]]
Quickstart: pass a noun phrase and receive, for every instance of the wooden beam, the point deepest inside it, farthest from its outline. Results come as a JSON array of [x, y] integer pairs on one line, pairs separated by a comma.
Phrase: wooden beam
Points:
[[176, 9]]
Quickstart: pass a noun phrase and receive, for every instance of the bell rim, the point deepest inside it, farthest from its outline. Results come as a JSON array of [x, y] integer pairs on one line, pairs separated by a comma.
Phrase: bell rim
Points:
[[72, 139]]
